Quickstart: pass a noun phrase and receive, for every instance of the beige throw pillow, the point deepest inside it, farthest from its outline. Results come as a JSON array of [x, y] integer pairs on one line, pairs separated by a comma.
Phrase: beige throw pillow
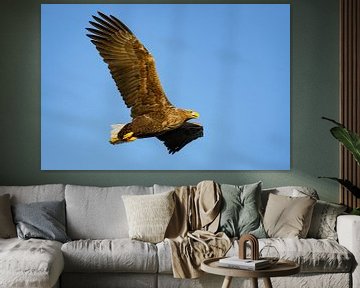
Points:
[[288, 217], [7, 226], [149, 215]]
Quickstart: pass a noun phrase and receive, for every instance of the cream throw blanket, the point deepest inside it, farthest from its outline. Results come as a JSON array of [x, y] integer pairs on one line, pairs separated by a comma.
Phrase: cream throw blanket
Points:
[[191, 231]]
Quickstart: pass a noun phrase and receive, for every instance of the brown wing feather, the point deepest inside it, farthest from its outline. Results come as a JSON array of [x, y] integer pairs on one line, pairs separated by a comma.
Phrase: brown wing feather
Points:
[[176, 139], [131, 65]]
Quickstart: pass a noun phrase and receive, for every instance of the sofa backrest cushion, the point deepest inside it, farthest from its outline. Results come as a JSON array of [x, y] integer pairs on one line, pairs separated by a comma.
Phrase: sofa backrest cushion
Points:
[[98, 212], [36, 193], [163, 188]]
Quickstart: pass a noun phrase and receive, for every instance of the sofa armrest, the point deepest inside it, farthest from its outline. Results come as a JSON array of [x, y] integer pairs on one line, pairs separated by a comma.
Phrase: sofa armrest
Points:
[[348, 230]]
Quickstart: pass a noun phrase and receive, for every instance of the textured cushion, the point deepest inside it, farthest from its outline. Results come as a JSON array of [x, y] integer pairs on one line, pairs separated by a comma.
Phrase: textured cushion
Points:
[[164, 257], [287, 216], [240, 210], [98, 213], [44, 220], [36, 193], [323, 222], [149, 215], [313, 255], [163, 188], [7, 227], [117, 255], [31, 263]]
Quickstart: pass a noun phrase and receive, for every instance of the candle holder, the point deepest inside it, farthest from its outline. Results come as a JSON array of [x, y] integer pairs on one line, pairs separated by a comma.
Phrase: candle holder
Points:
[[254, 246]]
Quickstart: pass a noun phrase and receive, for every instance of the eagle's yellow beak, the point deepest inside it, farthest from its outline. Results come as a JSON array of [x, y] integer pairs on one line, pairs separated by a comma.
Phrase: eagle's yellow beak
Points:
[[195, 114]]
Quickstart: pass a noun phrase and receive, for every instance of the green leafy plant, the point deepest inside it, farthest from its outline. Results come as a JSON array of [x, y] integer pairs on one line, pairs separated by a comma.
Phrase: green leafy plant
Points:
[[351, 141], [356, 211]]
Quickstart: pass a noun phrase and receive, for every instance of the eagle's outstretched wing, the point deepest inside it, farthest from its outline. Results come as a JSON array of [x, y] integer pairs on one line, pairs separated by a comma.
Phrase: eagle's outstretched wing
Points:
[[131, 65], [176, 139]]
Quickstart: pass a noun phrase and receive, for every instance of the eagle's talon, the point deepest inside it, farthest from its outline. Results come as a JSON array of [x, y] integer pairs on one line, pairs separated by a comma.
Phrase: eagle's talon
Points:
[[128, 136]]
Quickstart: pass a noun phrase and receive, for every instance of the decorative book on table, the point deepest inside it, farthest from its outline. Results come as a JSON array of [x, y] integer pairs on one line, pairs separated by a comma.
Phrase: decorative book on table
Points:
[[236, 262]]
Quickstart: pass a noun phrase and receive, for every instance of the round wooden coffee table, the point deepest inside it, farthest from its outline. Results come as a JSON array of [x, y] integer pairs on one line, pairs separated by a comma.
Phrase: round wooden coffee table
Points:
[[281, 268]]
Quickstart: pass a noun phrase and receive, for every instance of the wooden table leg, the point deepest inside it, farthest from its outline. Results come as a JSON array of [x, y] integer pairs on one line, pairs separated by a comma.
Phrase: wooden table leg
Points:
[[227, 282], [267, 283], [254, 282]]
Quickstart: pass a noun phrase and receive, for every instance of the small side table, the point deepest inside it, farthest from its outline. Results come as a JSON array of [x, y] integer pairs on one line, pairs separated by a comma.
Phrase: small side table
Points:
[[281, 268]]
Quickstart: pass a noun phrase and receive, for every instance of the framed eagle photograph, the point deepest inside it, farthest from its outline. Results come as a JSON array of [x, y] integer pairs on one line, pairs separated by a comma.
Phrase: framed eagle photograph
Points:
[[165, 86]]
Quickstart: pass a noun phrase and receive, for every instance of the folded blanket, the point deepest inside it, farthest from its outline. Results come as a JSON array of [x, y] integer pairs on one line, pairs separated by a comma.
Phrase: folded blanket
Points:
[[191, 231], [190, 251]]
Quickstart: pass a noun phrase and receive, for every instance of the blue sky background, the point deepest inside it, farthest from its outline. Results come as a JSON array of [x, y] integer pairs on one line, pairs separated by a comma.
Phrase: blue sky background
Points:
[[231, 63]]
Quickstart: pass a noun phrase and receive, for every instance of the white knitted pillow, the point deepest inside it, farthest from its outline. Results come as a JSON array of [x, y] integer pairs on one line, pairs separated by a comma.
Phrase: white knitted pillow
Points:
[[149, 215]]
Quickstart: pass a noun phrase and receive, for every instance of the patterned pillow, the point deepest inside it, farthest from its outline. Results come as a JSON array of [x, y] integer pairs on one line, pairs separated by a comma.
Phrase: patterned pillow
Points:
[[323, 222], [149, 215], [240, 210]]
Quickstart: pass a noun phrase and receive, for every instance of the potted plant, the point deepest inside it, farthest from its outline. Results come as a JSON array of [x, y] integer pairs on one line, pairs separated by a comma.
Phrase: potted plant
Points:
[[351, 141]]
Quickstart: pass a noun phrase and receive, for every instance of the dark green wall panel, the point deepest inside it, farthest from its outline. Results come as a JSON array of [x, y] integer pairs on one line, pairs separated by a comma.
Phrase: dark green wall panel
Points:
[[314, 93]]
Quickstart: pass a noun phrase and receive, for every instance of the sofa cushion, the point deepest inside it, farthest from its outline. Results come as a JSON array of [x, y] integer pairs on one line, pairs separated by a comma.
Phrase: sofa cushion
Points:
[[240, 210], [116, 255], [30, 263], [287, 216], [163, 188], [313, 255], [43, 220], [323, 222], [98, 213], [291, 191], [7, 226], [149, 215], [36, 193], [164, 257]]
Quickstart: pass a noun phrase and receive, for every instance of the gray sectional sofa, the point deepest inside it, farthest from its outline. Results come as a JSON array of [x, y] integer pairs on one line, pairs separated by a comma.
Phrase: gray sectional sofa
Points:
[[101, 254]]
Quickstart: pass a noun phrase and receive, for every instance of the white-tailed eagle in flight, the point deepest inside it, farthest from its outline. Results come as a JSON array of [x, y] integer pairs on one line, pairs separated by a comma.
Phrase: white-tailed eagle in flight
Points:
[[133, 69]]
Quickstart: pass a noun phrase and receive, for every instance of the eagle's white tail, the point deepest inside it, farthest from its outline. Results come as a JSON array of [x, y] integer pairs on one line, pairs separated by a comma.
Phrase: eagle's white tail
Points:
[[115, 129]]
